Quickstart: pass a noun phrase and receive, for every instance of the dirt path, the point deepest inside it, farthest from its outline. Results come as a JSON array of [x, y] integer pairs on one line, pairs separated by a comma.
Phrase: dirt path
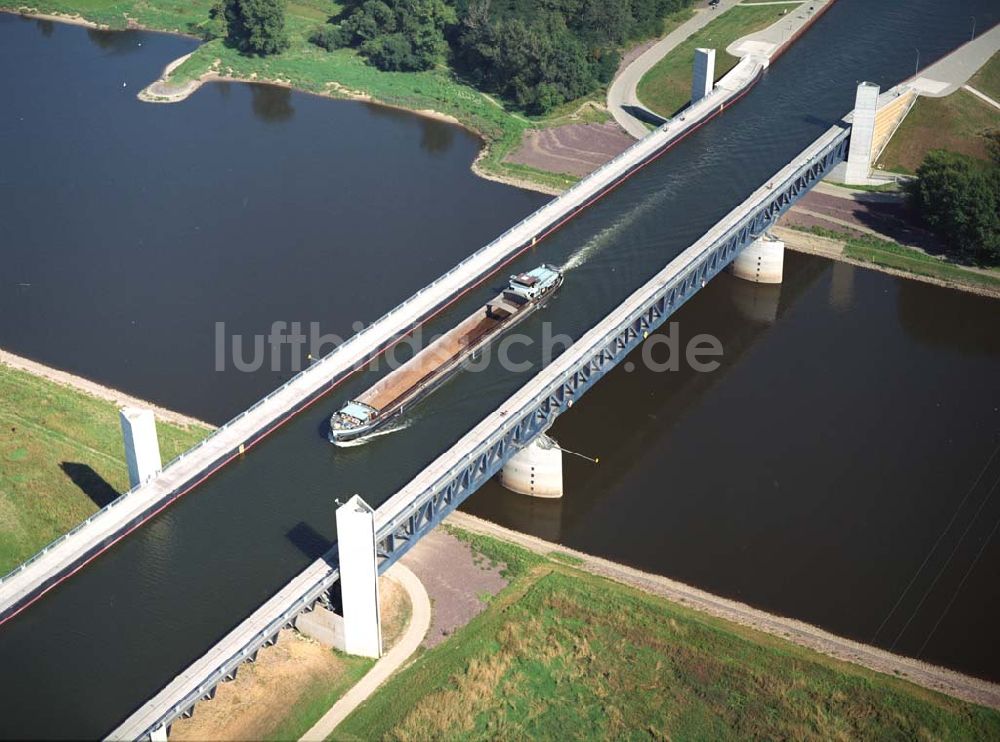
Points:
[[929, 676], [97, 390]]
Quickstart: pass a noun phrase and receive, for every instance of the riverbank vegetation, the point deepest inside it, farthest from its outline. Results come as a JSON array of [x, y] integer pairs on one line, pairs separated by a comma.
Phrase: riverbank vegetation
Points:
[[888, 254], [958, 198], [448, 86], [666, 88], [61, 459], [563, 654]]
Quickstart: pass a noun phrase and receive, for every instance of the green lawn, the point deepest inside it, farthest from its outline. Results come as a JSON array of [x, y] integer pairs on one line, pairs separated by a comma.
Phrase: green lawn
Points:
[[56, 442], [987, 80], [667, 87], [956, 122]]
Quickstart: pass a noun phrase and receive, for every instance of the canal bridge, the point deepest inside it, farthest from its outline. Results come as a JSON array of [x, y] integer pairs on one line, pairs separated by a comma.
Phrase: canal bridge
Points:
[[476, 457]]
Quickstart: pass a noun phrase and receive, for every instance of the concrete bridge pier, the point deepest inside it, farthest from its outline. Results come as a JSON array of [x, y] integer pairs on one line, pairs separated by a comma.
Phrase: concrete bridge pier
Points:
[[762, 261], [359, 578], [142, 448], [535, 470], [703, 75]]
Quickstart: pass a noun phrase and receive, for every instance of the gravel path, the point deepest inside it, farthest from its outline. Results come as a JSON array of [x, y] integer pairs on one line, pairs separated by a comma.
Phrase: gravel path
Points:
[[457, 584], [929, 676]]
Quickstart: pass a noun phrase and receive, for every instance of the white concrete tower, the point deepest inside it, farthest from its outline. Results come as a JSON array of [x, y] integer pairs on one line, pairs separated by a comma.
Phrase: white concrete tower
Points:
[[762, 261], [535, 470], [142, 449], [703, 77], [859, 155], [359, 578]]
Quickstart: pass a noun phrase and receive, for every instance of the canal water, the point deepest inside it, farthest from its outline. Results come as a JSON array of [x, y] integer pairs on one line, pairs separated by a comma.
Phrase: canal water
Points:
[[813, 474]]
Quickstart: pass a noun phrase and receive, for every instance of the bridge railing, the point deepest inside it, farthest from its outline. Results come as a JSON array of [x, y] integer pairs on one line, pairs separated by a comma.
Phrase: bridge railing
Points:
[[603, 173], [392, 516], [679, 280]]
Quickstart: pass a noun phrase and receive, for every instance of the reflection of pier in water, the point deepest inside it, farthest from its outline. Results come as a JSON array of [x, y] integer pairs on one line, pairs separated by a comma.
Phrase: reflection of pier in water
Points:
[[643, 405]]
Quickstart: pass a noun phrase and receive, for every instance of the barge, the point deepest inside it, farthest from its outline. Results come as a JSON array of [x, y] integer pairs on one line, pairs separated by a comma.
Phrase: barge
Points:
[[428, 369]]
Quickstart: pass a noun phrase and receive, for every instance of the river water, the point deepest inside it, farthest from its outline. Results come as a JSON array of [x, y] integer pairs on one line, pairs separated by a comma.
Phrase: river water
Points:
[[811, 475]]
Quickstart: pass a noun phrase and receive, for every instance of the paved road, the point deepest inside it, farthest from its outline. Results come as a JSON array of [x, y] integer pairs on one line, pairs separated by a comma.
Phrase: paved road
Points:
[[622, 97], [950, 73], [622, 93]]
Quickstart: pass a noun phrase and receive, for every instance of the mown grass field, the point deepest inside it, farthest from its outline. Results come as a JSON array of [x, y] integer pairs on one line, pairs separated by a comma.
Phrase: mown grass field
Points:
[[957, 122], [667, 87], [987, 80], [61, 456], [561, 654], [870, 249]]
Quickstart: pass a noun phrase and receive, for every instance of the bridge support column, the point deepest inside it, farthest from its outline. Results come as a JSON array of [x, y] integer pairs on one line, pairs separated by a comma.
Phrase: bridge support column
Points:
[[158, 735], [762, 261], [859, 154], [703, 76], [359, 578], [535, 470], [142, 449]]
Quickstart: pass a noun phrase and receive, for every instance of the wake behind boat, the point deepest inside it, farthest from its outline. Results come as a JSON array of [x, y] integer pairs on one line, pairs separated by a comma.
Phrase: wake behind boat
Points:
[[429, 368]]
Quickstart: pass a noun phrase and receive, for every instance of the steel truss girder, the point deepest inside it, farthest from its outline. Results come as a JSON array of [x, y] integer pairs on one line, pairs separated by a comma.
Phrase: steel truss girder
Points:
[[435, 503]]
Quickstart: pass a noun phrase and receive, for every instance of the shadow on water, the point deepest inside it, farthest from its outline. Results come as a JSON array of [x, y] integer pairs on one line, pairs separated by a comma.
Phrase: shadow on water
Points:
[[92, 484], [436, 137], [271, 103], [309, 541], [116, 42]]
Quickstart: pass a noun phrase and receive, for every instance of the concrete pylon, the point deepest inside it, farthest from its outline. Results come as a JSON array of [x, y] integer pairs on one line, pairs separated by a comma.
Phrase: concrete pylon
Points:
[[859, 154], [703, 76], [762, 261], [158, 735], [535, 470], [142, 449], [359, 578]]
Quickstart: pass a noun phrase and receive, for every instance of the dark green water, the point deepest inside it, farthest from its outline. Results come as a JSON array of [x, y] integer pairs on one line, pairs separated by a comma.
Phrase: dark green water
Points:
[[811, 475]]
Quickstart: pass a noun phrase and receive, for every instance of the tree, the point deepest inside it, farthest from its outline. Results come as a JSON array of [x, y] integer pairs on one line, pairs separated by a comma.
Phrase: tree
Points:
[[959, 199], [257, 26], [406, 35]]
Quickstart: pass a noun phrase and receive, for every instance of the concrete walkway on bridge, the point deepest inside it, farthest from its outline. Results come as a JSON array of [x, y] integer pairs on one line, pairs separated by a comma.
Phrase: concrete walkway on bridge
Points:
[[950, 73]]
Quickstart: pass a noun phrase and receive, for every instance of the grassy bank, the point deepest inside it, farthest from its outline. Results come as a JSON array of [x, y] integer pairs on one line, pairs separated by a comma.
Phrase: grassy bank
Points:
[[343, 74], [956, 122], [61, 458], [987, 80], [667, 87], [870, 249], [561, 654]]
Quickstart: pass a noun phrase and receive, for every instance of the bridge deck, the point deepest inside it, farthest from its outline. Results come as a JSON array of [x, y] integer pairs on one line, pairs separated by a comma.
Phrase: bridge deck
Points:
[[71, 552], [194, 683]]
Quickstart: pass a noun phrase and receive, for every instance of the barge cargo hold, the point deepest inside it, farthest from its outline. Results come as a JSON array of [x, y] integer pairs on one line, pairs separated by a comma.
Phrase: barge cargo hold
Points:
[[429, 368]]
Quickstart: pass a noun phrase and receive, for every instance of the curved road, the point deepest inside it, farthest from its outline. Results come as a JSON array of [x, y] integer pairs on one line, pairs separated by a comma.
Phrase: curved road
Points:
[[622, 97]]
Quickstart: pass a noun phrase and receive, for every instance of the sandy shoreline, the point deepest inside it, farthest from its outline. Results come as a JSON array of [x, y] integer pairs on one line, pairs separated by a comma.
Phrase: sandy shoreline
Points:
[[93, 389], [73, 20]]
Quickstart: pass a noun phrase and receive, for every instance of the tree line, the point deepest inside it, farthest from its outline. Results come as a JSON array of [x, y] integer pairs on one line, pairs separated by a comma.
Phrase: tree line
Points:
[[535, 55], [958, 198]]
